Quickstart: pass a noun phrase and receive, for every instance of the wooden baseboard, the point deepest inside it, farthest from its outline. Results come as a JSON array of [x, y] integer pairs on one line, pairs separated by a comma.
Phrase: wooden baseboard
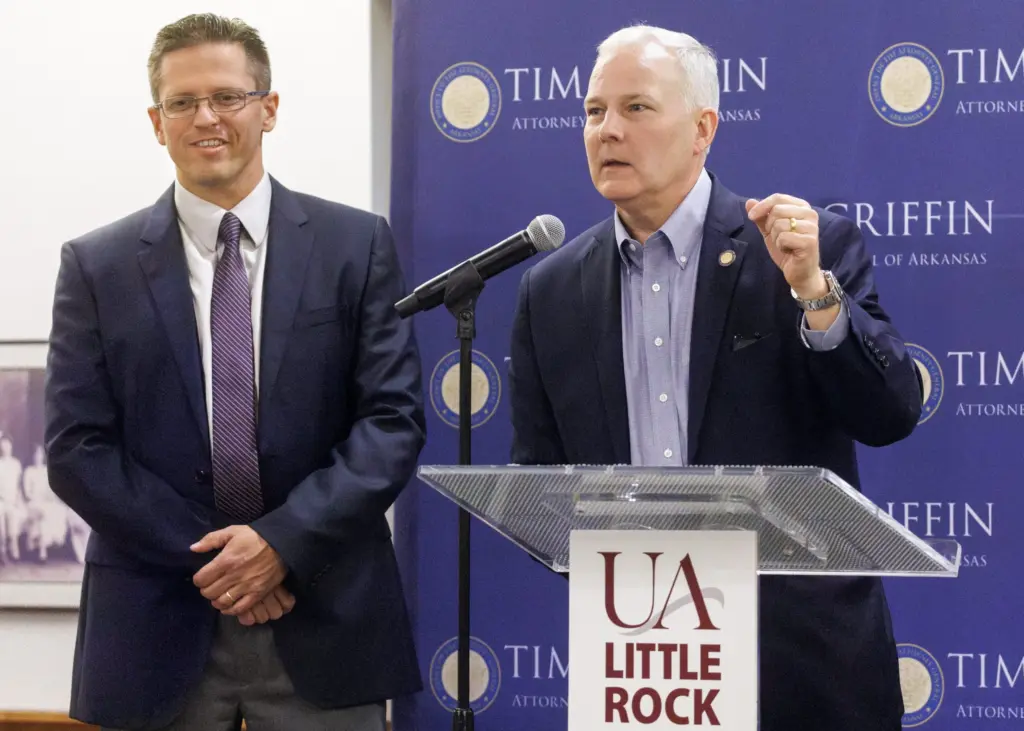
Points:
[[31, 721]]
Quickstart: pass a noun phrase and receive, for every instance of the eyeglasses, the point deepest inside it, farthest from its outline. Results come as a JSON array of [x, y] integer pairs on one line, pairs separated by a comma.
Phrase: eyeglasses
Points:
[[229, 100]]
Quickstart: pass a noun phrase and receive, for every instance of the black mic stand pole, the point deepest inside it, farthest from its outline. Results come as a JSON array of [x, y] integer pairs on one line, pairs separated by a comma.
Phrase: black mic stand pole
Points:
[[462, 289]]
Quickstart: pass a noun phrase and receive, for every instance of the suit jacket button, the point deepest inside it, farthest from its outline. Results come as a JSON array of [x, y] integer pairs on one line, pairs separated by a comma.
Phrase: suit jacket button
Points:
[[203, 477]]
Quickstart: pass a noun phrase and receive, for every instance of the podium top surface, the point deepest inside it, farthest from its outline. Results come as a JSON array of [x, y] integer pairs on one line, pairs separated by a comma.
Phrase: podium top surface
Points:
[[809, 521]]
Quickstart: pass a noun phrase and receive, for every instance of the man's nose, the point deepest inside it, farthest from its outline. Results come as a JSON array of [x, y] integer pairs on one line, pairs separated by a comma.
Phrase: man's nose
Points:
[[611, 127], [204, 112]]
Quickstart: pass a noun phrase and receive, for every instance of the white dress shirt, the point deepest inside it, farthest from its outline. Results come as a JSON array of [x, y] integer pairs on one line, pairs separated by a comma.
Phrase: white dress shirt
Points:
[[199, 221]]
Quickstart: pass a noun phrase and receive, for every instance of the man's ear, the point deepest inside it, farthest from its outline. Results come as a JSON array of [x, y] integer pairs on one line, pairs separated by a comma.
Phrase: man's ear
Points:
[[158, 125], [707, 126], [270, 103]]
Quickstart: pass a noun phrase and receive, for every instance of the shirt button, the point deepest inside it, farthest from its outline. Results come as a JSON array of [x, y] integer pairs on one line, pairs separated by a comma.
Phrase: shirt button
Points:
[[656, 287], [663, 397], [668, 453], [658, 342], [682, 260], [632, 247]]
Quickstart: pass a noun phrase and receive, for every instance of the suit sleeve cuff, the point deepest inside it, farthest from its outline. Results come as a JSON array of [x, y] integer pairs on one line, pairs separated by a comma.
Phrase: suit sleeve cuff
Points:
[[827, 339]]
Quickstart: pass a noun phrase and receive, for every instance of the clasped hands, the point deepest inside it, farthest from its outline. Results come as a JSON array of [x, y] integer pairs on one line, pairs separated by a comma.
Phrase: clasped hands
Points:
[[244, 581]]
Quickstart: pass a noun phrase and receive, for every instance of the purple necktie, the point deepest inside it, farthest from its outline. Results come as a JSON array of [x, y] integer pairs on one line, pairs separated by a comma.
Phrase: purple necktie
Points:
[[236, 474]]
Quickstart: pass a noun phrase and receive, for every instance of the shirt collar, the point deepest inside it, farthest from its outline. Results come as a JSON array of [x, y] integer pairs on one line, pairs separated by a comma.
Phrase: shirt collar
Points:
[[202, 218], [684, 229]]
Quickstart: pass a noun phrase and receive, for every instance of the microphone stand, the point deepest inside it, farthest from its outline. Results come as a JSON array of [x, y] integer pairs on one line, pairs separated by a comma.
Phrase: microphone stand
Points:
[[462, 289]]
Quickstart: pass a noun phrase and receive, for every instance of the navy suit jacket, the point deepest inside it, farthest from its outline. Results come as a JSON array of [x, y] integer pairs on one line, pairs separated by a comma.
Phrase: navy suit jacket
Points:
[[758, 395], [341, 425]]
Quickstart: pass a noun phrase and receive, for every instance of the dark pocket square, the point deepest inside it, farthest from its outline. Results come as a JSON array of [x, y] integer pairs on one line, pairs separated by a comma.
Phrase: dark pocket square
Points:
[[739, 342]]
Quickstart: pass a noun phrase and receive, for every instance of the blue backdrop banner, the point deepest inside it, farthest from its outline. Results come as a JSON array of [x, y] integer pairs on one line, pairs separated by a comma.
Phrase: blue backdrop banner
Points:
[[902, 116]]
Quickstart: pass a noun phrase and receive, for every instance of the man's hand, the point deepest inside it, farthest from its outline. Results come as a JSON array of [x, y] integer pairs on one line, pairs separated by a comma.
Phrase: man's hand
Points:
[[245, 572], [275, 605], [790, 229]]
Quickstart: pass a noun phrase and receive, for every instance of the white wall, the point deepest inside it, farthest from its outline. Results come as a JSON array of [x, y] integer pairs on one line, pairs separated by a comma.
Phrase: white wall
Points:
[[77, 151]]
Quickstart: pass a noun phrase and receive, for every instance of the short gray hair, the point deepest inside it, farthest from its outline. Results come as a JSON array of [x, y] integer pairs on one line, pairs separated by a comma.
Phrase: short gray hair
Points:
[[697, 62]]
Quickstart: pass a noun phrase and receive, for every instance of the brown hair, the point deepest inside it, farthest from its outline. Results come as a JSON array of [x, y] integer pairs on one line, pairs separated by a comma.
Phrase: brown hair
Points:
[[195, 30]]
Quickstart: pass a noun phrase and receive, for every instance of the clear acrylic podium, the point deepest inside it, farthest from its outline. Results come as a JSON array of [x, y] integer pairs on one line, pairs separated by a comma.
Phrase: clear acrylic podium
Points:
[[808, 520]]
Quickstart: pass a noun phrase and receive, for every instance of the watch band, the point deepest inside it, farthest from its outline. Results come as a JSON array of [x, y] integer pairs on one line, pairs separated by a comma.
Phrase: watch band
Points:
[[834, 296]]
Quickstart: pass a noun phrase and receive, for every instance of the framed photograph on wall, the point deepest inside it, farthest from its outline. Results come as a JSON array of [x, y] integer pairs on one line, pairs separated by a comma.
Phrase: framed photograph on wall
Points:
[[42, 542]]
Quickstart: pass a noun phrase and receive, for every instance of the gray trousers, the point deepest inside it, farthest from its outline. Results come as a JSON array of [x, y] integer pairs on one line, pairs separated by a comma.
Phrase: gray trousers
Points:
[[244, 679]]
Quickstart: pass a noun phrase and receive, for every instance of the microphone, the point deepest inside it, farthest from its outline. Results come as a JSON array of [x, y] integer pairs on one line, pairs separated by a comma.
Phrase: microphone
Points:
[[545, 233]]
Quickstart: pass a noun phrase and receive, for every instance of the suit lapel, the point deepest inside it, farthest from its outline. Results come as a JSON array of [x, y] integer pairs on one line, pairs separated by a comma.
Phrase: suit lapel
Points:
[[162, 259], [602, 314], [715, 285], [290, 243]]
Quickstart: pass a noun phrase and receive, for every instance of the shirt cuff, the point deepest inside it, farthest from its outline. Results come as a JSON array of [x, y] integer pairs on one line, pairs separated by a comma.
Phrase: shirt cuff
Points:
[[827, 339]]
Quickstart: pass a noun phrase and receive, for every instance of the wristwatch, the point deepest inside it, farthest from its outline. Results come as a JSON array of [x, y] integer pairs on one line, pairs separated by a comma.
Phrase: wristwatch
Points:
[[834, 296]]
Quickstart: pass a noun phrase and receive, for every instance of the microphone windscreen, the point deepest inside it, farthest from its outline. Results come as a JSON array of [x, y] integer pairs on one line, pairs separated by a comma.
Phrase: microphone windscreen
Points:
[[546, 232]]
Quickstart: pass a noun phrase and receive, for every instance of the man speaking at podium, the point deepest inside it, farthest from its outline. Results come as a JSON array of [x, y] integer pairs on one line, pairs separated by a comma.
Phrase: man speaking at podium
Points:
[[232, 404], [696, 326]]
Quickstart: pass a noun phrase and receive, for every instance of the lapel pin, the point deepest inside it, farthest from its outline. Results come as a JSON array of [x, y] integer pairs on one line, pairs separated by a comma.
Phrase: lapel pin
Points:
[[727, 257]]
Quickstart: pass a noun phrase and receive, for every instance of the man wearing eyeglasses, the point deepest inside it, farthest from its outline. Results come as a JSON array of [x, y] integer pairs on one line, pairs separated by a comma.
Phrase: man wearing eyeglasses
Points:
[[232, 405]]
